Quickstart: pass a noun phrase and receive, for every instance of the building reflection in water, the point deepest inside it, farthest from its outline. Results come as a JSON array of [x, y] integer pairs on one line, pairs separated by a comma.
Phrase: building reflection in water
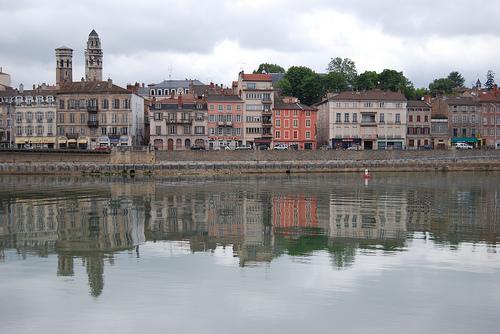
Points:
[[261, 219]]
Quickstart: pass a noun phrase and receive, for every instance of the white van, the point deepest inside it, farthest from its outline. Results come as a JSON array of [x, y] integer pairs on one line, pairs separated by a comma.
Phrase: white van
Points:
[[463, 146]]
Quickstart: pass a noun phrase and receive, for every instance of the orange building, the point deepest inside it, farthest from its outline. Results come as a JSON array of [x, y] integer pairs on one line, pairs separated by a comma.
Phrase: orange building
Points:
[[294, 124], [291, 212]]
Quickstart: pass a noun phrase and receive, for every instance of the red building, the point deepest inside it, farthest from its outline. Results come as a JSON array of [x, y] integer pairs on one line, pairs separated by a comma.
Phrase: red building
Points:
[[225, 121], [294, 124], [490, 118], [291, 212]]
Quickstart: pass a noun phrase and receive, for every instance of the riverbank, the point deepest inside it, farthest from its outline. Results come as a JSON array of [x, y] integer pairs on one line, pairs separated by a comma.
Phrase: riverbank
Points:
[[213, 166]]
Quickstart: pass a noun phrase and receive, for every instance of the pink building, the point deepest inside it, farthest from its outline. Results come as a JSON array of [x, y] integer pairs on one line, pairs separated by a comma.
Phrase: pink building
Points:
[[294, 124], [225, 121]]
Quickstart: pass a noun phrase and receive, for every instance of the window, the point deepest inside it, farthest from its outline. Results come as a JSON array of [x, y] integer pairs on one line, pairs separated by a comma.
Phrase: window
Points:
[[50, 116], [355, 118], [278, 112], [295, 113], [346, 117], [220, 107], [398, 118], [29, 117], [82, 118], [337, 117], [114, 130], [382, 117], [172, 129], [199, 130], [238, 107], [295, 123], [158, 130], [426, 118], [278, 135], [157, 116], [229, 107], [287, 134], [82, 131], [103, 131], [295, 134], [287, 123], [114, 118], [124, 130], [105, 104], [126, 104], [72, 118], [125, 118], [61, 104], [368, 104], [308, 135], [455, 132], [410, 118], [19, 117], [251, 85], [308, 113], [212, 107], [116, 104], [29, 130], [238, 118], [187, 129], [19, 130], [60, 117], [464, 132], [418, 118]]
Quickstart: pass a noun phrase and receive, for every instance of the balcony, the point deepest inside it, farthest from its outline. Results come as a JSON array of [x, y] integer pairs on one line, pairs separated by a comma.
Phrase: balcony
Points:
[[225, 124], [267, 112], [267, 125], [179, 120], [72, 135], [368, 123], [93, 124], [92, 109], [267, 100]]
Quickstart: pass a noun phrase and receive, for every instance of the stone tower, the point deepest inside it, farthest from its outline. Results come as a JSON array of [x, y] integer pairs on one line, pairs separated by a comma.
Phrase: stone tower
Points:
[[93, 58], [64, 65]]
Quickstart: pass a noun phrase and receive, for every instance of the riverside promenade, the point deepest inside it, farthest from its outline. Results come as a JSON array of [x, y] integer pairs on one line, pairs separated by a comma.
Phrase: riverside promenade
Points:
[[145, 161]]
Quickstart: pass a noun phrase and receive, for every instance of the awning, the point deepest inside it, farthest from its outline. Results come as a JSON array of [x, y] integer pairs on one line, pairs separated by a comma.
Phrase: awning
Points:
[[62, 140], [83, 140], [71, 141], [464, 140], [21, 140]]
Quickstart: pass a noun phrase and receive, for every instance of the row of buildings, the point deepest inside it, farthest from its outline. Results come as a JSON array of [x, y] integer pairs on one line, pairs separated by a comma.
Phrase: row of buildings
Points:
[[180, 114]]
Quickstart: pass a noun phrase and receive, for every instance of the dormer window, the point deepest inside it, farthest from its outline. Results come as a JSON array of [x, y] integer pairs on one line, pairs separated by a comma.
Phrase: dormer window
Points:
[[19, 100], [158, 92], [165, 92], [29, 99], [39, 99], [152, 92], [50, 99]]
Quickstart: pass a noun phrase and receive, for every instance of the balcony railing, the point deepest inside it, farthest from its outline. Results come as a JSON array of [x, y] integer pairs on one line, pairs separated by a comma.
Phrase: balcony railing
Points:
[[93, 124], [179, 120], [92, 109]]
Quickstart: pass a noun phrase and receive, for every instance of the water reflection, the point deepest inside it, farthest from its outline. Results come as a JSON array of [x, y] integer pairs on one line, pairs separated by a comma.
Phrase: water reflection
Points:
[[88, 220]]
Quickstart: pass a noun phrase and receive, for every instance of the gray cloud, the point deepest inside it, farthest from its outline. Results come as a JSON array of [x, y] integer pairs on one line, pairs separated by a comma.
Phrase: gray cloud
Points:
[[414, 36]]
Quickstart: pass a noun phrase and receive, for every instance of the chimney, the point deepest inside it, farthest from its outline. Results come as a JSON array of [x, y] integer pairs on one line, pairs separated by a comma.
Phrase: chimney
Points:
[[34, 87], [179, 101], [495, 90], [211, 85], [21, 88], [427, 99], [110, 83], [143, 85]]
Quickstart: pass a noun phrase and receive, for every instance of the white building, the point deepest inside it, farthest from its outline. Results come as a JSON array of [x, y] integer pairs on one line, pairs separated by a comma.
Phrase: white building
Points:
[[371, 119]]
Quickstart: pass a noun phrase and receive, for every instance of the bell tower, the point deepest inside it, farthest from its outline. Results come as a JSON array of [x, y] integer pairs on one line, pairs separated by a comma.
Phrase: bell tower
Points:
[[93, 58], [64, 65]]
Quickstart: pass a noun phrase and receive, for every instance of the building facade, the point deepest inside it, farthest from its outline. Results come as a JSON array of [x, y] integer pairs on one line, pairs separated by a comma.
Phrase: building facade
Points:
[[440, 136], [257, 93], [294, 124], [418, 123], [98, 113], [178, 123], [371, 119], [464, 120], [35, 118], [225, 121], [490, 118], [168, 88]]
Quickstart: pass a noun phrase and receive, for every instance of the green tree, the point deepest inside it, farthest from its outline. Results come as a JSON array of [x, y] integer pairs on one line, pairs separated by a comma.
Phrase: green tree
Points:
[[421, 92], [334, 82], [457, 78], [285, 87], [490, 79], [346, 67], [310, 89], [295, 75], [442, 85], [392, 80], [269, 68], [367, 80]]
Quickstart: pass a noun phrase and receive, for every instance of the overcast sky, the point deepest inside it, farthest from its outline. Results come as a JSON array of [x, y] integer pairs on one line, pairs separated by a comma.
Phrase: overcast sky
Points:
[[147, 41]]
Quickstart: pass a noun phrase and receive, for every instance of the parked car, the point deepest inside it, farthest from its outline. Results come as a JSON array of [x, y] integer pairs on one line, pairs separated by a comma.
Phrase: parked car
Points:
[[281, 147], [354, 148], [198, 148], [243, 148], [463, 146], [103, 148]]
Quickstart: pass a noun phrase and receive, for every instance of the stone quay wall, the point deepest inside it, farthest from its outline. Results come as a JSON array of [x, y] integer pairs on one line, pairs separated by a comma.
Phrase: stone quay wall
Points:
[[246, 162]]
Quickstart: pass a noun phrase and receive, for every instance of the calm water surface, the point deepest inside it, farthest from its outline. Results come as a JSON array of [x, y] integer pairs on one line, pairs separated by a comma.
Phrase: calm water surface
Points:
[[403, 253]]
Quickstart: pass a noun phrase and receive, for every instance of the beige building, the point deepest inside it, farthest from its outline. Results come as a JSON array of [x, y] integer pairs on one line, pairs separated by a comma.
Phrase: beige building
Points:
[[98, 113], [257, 93], [35, 118], [371, 119], [178, 123]]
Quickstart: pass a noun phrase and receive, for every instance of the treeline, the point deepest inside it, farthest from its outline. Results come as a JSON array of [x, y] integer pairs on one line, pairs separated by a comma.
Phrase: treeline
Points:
[[341, 75]]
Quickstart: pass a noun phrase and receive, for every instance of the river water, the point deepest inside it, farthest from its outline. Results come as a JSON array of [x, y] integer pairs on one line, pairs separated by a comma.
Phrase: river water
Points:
[[405, 252]]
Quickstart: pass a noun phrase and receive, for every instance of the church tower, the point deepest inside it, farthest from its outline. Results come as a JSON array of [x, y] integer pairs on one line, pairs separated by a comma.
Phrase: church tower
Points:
[[64, 65], [93, 58]]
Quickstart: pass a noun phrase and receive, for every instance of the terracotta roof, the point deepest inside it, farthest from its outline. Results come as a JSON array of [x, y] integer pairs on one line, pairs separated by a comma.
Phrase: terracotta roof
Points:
[[257, 77], [91, 87], [489, 97], [462, 101], [369, 95], [222, 98], [417, 104], [292, 106]]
